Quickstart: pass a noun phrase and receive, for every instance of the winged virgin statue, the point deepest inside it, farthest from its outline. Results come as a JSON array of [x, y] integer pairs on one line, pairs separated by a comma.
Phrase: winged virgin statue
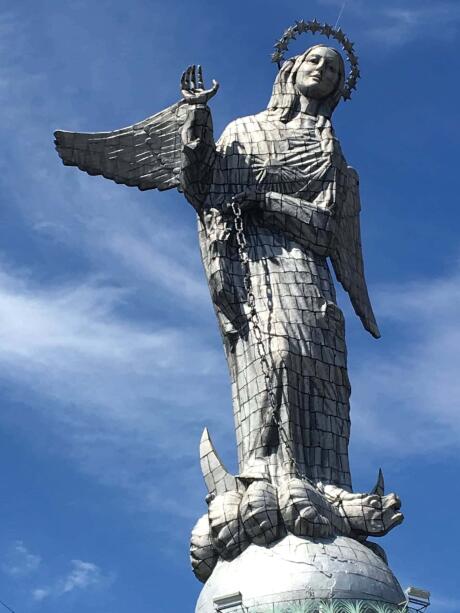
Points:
[[276, 204]]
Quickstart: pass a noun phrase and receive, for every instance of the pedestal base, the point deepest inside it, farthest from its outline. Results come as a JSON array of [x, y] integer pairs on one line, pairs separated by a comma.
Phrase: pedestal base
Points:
[[299, 570]]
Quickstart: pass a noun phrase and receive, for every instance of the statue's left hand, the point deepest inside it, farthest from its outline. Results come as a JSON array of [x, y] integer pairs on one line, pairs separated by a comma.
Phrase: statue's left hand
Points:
[[192, 86], [247, 200]]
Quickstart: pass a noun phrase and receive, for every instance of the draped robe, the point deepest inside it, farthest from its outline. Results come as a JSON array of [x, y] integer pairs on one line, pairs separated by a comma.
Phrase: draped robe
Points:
[[289, 235]]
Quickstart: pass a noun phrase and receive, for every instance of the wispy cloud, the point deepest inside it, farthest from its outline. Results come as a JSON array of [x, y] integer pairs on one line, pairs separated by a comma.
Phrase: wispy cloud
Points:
[[110, 381], [26, 567], [395, 22], [105, 384], [40, 594], [406, 397], [400, 25], [108, 226], [445, 604], [72, 328], [19, 561], [113, 382], [83, 576], [87, 354]]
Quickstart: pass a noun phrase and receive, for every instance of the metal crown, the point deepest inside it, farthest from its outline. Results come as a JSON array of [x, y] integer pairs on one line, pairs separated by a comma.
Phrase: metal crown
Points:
[[314, 27]]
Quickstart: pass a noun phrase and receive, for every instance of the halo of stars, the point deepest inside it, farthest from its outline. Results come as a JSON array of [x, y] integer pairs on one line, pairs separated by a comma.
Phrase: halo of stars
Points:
[[314, 27]]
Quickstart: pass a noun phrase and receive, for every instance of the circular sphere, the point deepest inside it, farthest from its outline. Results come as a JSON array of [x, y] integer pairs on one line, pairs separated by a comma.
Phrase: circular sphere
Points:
[[302, 569]]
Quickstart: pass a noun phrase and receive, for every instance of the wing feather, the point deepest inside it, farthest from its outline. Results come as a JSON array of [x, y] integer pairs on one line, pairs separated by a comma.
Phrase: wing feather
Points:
[[347, 258], [146, 155]]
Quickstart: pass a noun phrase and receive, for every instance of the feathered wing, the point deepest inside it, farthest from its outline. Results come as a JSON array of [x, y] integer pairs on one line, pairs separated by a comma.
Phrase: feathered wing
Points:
[[146, 155], [347, 258]]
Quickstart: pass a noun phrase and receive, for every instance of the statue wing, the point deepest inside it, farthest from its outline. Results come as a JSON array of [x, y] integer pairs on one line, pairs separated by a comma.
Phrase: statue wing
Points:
[[347, 257], [145, 155]]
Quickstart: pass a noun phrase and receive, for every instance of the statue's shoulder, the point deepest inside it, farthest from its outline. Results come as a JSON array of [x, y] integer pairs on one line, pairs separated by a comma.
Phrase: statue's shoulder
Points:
[[242, 128]]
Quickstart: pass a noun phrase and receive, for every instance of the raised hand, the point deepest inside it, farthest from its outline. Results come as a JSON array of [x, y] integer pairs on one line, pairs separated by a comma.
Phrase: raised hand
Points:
[[192, 86]]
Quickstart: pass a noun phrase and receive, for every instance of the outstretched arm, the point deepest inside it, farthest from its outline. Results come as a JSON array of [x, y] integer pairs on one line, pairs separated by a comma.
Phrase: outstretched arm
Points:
[[198, 150]]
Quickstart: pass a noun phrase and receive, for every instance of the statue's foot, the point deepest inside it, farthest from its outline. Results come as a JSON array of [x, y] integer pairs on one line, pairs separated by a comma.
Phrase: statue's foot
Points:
[[257, 470]]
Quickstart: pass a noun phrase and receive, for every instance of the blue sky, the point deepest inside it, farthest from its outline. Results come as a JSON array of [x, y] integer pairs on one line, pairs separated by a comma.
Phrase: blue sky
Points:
[[110, 359]]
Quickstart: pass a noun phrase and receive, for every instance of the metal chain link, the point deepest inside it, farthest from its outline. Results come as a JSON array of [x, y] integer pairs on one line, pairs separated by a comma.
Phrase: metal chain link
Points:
[[273, 414]]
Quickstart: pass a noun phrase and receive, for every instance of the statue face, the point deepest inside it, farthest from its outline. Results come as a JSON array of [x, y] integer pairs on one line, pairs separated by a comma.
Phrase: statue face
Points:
[[319, 74]]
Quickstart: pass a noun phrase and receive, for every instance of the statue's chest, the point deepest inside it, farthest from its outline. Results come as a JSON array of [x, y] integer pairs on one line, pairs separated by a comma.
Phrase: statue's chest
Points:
[[287, 160]]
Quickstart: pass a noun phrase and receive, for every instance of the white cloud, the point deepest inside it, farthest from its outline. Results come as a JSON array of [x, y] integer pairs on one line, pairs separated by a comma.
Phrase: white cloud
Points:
[[111, 385], [121, 390], [108, 382], [395, 22], [82, 576], [19, 561], [445, 604], [40, 594], [406, 396], [400, 25], [70, 328], [160, 265], [108, 387], [108, 225]]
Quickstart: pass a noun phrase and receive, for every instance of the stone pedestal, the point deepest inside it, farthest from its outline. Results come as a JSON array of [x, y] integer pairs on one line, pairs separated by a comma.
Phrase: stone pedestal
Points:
[[299, 571]]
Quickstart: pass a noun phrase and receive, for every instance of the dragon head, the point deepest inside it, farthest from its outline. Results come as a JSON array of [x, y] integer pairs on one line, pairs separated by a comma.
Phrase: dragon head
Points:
[[373, 514]]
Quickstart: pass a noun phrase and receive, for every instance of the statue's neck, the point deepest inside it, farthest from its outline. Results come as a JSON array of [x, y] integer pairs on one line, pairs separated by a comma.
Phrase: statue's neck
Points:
[[308, 106]]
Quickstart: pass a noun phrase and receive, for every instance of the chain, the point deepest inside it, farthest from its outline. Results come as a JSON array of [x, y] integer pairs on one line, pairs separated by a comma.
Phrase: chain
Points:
[[273, 414]]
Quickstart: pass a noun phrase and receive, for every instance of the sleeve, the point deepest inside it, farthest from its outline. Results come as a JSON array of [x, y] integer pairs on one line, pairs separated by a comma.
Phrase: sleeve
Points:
[[305, 222], [198, 155]]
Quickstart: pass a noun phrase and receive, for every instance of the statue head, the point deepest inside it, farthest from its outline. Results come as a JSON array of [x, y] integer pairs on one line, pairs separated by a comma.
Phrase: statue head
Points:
[[314, 80]]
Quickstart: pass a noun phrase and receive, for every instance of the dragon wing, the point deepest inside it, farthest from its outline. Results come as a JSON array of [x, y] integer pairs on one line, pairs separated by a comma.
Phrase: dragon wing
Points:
[[347, 257], [145, 155]]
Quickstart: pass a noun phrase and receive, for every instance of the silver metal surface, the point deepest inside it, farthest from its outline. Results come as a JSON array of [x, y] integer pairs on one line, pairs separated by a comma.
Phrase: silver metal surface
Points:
[[301, 570]]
